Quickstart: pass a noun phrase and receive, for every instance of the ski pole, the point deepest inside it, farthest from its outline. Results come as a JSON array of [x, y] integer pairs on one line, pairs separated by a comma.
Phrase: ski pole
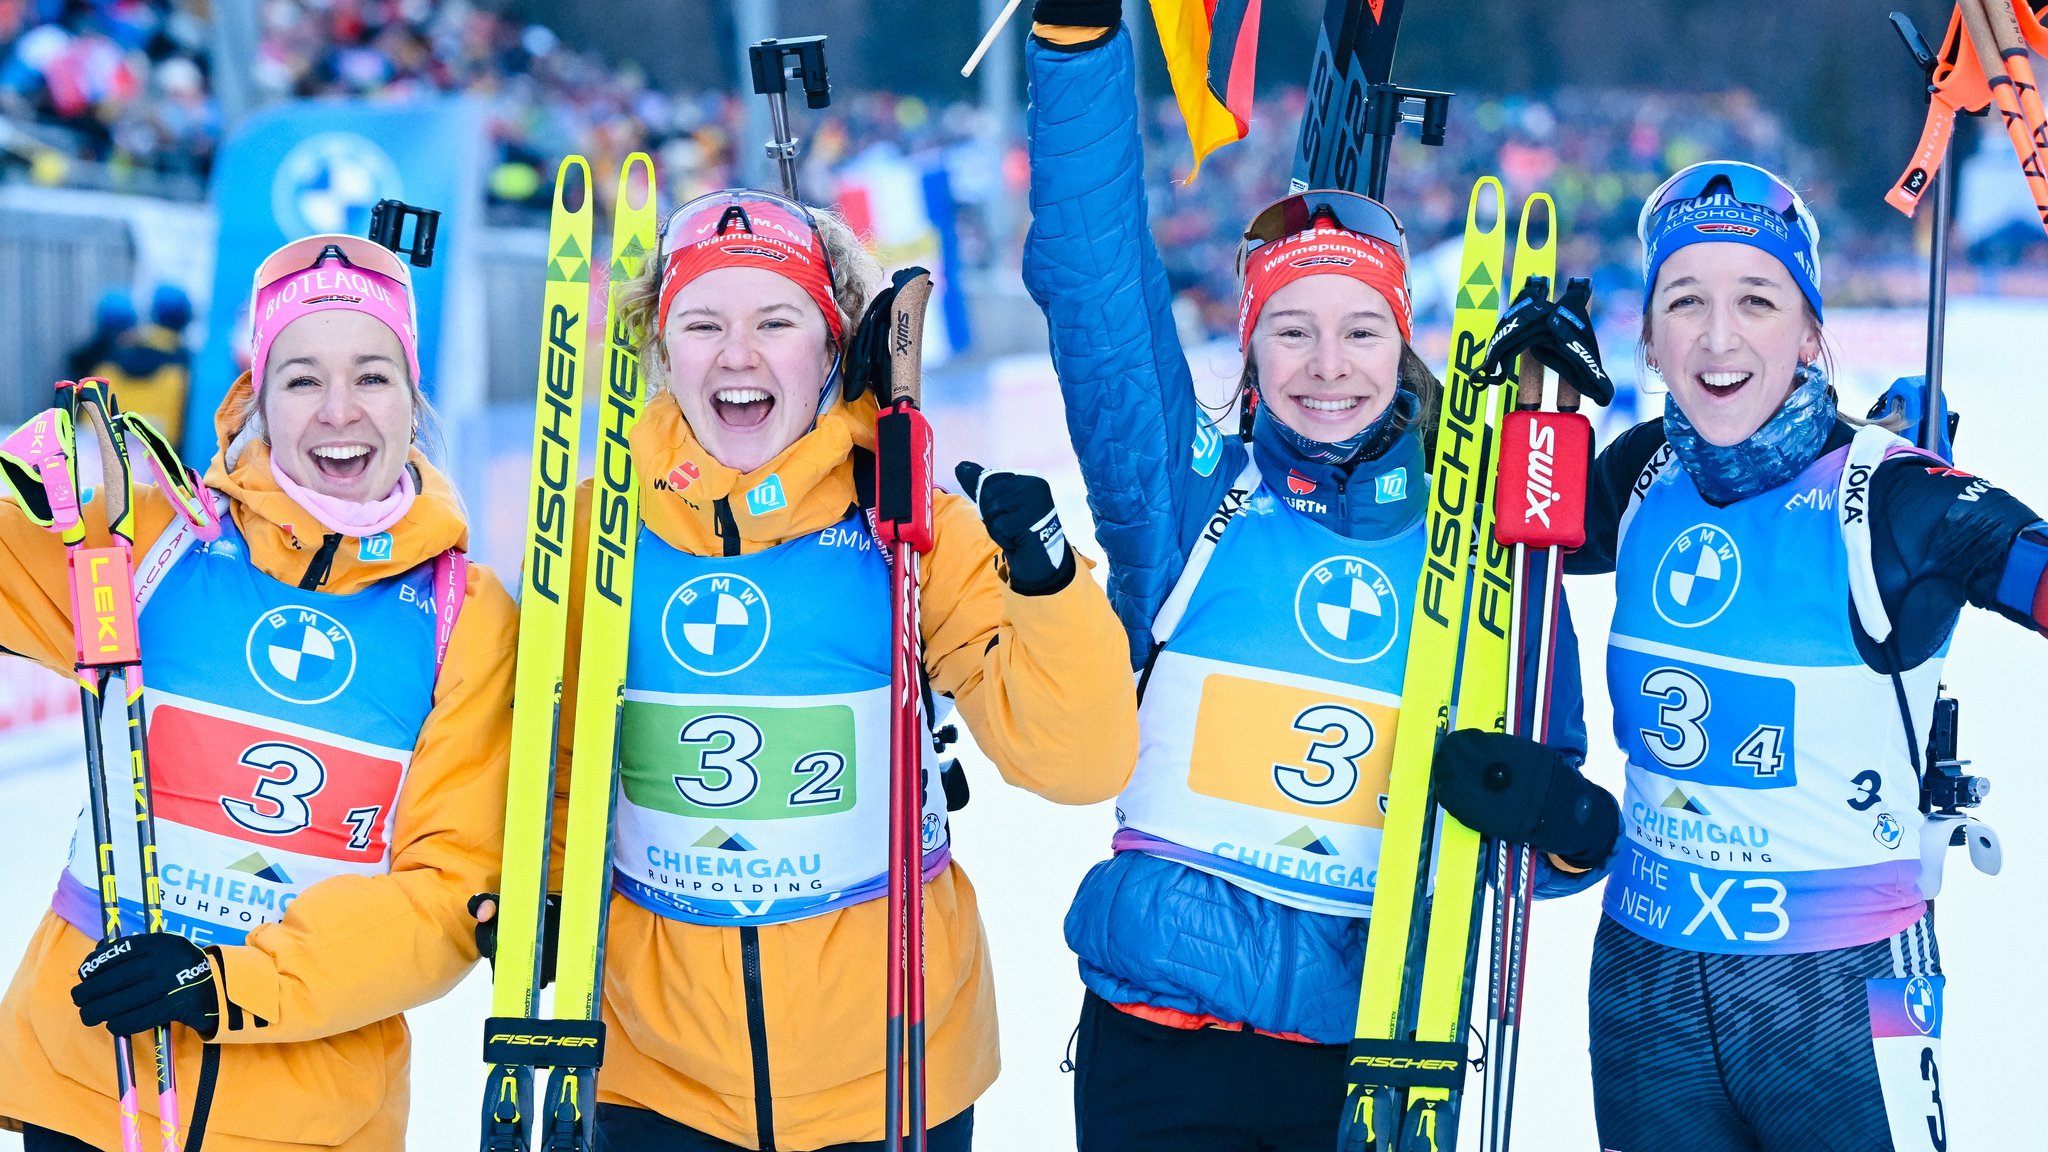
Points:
[[988, 39], [771, 63], [1937, 260], [903, 523], [2005, 95]]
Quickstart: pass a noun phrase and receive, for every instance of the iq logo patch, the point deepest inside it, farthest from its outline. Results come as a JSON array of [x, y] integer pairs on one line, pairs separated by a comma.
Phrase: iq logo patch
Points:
[[1207, 447], [1697, 578], [301, 655], [766, 496], [1347, 609], [716, 624]]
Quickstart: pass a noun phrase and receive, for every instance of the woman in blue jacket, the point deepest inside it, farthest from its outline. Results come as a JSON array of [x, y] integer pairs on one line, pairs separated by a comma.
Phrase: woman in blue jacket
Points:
[[1222, 943]]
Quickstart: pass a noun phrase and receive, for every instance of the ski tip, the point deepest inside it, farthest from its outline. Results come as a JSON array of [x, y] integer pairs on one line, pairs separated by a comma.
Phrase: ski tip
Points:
[[1489, 200], [1543, 237], [637, 195], [572, 185]]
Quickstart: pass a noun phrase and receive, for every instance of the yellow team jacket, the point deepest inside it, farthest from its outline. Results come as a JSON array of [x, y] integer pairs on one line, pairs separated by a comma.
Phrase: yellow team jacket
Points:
[[1043, 682], [317, 1055]]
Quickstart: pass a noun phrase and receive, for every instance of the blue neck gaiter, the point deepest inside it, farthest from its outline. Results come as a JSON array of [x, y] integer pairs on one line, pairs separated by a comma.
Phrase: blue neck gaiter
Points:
[[1775, 453], [1365, 444]]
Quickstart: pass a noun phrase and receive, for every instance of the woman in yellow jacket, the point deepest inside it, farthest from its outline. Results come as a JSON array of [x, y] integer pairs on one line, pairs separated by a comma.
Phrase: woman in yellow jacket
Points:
[[745, 1014], [329, 687]]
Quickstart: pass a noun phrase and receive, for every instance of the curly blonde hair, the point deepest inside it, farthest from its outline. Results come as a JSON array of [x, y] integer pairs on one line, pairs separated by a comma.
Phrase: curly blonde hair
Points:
[[855, 277]]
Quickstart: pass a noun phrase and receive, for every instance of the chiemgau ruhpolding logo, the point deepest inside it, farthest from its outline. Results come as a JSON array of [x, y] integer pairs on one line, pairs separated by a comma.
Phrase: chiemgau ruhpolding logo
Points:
[[1347, 609], [716, 624], [301, 655], [1697, 578]]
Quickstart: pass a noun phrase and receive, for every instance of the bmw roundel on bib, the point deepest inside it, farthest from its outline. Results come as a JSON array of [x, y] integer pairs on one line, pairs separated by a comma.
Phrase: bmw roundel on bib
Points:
[[716, 624], [1698, 576], [1347, 609], [301, 655]]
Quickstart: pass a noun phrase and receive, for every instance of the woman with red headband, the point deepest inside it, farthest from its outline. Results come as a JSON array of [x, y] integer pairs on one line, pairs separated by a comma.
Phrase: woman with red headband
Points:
[[743, 994], [328, 682], [1265, 587]]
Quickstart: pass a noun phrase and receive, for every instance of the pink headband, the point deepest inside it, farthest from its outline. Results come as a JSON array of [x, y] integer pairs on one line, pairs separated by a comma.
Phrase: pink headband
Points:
[[325, 287]]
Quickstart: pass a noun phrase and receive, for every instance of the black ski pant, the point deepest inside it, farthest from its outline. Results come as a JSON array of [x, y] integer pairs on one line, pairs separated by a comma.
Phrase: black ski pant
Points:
[[1835, 1051], [623, 1129], [1145, 1087]]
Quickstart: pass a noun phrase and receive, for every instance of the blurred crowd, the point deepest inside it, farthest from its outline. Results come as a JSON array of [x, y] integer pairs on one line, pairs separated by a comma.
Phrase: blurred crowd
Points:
[[120, 87]]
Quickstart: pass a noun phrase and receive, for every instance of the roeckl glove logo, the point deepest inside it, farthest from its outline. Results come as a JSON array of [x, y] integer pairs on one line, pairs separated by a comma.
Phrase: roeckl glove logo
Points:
[[114, 952]]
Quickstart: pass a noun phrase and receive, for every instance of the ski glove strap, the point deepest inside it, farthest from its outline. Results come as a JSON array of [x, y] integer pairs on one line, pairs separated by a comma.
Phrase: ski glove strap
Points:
[[1078, 13], [1517, 790], [1559, 333], [1018, 511], [133, 984]]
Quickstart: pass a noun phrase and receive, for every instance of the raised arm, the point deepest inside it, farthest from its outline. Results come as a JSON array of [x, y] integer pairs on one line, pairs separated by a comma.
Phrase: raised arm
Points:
[[1091, 265]]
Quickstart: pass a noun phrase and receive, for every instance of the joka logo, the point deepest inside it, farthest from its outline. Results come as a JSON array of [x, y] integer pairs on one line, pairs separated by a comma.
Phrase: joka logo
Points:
[[377, 547], [1207, 446], [255, 865], [1888, 831], [1923, 1005], [716, 625], [683, 475], [725, 841], [1698, 576], [1679, 800], [1306, 840], [1298, 484], [301, 655], [766, 496], [1391, 487], [1347, 610]]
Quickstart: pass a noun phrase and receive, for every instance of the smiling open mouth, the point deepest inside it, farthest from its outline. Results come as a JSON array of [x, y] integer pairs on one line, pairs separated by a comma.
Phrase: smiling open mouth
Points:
[[342, 462], [1722, 384], [742, 407]]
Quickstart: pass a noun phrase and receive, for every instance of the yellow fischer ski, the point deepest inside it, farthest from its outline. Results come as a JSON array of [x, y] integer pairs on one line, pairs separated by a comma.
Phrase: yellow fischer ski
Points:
[[571, 1108], [1383, 1057], [1482, 702], [511, 1043]]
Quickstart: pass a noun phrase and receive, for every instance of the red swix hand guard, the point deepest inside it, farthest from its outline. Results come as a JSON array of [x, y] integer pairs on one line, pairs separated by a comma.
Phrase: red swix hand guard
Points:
[[1540, 499], [903, 476]]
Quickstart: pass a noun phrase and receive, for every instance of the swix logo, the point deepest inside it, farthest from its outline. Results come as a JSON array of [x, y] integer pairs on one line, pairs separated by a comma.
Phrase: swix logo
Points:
[[1856, 496], [1724, 228], [1298, 484], [683, 475], [901, 342], [1542, 470]]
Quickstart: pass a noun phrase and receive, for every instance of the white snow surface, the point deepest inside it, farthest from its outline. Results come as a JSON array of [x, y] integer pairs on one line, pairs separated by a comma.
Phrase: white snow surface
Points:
[[1027, 855]]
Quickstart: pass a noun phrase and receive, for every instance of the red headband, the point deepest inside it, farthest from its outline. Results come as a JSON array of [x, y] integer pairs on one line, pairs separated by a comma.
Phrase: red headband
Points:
[[739, 249], [1322, 251]]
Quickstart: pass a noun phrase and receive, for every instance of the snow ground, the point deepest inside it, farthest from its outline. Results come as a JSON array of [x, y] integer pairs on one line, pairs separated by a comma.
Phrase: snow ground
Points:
[[1027, 855]]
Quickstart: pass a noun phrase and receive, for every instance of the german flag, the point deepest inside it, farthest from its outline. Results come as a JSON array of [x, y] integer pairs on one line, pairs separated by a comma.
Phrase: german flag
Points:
[[1211, 49]]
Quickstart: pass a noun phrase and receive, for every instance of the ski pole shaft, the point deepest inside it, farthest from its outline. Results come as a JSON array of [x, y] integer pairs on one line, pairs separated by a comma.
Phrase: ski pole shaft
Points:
[[1937, 301], [988, 39], [2005, 97]]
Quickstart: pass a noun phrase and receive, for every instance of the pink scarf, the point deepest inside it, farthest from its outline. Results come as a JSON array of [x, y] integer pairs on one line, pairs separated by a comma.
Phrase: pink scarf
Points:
[[350, 517]]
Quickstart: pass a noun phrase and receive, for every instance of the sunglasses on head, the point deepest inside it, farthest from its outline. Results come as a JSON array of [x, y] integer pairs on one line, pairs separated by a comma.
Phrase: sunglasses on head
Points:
[[1743, 183], [743, 210], [1300, 212]]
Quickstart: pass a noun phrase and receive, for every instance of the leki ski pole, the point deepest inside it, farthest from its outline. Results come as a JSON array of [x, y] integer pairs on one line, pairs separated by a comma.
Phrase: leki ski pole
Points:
[[903, 523]]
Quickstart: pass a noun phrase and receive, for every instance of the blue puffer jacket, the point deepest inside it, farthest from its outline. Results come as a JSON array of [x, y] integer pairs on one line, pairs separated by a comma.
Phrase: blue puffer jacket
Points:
[[1149, 930]]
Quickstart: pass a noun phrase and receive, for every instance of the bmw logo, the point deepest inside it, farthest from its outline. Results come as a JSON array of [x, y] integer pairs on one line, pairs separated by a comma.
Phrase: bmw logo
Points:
[[330, 182], [1347, 610], [716, 625], [301, 655], [1697, 578], [1923, 1005]]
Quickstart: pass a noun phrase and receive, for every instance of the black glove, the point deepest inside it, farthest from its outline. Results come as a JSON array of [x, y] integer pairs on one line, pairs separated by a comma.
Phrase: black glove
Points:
[[1017, 508], [550, 932], [138, 983], [1078, 13], [1524, 792], [868, 365], [1559, 333]]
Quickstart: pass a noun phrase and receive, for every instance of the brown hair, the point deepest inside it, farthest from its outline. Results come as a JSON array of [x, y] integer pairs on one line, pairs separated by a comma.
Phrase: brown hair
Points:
[[855, 276]]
